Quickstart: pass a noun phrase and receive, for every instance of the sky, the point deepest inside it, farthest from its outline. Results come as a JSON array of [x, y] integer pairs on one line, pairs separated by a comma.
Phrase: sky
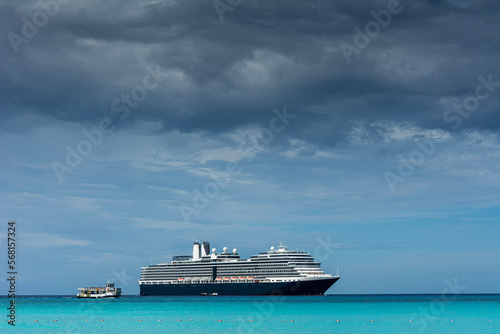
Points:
[[364, 132]]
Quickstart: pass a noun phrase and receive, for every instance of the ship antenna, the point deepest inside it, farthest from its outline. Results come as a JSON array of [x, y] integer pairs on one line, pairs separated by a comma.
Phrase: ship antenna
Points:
[[337, 269]]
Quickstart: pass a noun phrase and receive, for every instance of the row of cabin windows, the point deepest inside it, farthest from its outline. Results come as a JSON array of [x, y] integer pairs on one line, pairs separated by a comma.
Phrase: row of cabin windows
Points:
[[222, 271], [229, 268]]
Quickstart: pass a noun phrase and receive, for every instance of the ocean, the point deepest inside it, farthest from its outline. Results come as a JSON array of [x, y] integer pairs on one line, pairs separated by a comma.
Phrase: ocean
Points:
[[270, 314]]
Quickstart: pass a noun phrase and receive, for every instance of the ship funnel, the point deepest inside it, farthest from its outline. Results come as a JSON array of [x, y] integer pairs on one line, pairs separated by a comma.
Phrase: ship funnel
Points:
[[205, 249], [196, 251]]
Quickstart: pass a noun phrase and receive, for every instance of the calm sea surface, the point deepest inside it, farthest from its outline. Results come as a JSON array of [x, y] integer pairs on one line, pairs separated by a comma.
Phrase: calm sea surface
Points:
[[217, 314]]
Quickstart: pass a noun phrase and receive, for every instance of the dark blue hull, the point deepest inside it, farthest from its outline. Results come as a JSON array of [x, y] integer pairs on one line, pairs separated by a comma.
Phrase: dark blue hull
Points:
[[310, 287]]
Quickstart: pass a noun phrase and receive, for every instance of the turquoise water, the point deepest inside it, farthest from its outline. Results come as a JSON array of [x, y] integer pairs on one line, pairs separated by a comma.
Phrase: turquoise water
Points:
[[390, 314]]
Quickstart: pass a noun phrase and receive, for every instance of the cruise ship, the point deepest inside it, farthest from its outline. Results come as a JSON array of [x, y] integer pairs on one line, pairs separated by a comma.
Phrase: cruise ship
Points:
[[275, 272]]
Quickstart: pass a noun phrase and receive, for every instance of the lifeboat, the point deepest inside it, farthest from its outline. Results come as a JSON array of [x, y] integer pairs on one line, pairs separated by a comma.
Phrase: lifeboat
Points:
[[226, 278], [180, 279], [242, 278]]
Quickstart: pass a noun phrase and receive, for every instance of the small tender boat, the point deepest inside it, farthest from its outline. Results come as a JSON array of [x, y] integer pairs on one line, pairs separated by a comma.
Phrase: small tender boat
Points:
[[109, 291]]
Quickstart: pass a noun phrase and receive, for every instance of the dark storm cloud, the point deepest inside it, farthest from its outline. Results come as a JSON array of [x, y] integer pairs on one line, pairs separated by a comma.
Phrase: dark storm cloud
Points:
[[224, 75]]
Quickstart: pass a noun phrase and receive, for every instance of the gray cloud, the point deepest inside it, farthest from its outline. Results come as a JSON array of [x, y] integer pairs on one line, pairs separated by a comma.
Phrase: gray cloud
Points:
[[224, 75]]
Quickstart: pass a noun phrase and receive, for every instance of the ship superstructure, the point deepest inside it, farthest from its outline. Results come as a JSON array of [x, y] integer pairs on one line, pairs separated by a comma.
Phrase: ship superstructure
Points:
[[277, 271]]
